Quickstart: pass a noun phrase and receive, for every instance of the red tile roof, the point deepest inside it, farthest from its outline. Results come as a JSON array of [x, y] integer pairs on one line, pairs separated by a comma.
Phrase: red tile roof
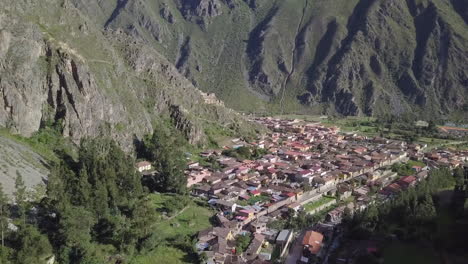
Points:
[[313, 240]]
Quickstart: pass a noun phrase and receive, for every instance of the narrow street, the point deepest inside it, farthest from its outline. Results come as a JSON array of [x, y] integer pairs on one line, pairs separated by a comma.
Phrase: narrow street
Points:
[[295, 252]]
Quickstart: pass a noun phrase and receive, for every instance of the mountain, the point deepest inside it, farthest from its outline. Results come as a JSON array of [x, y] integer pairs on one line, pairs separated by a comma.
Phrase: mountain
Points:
[[357, 57], [118, 67], [57, 68]]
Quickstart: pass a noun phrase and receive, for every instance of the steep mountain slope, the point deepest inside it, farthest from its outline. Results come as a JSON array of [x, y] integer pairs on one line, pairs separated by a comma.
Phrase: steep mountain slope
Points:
[[18, 159], [58, 69], [354, 57]]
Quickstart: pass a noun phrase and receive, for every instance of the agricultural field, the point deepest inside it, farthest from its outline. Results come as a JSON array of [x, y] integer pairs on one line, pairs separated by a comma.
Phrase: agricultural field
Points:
[[315, 204], [178, 223]]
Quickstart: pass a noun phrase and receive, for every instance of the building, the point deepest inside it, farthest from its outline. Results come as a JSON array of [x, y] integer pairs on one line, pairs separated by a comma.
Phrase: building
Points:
[[259, 225], [143, 166], [283, 239], [312, 243], [407, 181], [254, 248]]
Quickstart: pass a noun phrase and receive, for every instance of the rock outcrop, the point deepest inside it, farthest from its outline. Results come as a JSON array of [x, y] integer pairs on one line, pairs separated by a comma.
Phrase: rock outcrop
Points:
[[62, 70]]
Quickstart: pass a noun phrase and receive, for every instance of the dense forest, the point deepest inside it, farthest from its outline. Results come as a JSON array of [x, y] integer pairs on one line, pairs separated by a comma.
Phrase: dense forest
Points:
[[95, 208], [429, 215]]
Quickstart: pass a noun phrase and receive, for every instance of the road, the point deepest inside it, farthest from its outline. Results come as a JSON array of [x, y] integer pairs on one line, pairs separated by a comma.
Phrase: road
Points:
[[295, 252]]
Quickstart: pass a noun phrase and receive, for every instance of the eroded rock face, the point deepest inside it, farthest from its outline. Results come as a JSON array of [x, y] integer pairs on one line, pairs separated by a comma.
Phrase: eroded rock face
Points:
[[91, 84], [48, 81], [201, 8]]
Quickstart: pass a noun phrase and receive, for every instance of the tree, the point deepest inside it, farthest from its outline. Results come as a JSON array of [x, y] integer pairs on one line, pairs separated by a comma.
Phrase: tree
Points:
[[3, 214], [165, 149], [431, 127], [458, 174], [20, 196], [144, 218], [242, 242], [33, 247]]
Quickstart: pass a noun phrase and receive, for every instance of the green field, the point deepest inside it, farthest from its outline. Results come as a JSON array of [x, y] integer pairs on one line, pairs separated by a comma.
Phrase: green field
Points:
[[401, 253], [416, 163], [314, 205], [163, 254], [183, 223], [254, 199]]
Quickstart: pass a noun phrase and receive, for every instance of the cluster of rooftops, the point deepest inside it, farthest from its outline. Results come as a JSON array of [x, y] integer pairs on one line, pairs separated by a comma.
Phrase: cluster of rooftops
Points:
[[304, 161]]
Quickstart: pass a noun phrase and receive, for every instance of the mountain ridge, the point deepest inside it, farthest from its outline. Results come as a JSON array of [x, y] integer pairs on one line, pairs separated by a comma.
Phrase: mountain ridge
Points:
[[117, 67], [385, 76], [59, 70]]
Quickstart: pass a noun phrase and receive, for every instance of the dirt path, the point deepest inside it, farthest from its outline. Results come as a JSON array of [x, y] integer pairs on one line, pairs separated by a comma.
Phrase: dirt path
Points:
[[178, 213]]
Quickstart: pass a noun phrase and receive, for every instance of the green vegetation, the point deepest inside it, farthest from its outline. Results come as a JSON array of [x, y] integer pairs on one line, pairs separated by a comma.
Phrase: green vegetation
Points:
[[255, 199], [404, 169], [245, 153], [175, 230], [420, 216], [97, 211], [162, 254], [165, 147], [316, 204], [411, 215], [407, 253], [47, 142], [416, 163], [242, 243], [394, 127]]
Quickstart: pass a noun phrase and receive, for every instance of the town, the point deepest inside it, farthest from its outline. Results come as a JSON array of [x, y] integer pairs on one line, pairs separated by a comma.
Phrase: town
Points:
[[298, 166]]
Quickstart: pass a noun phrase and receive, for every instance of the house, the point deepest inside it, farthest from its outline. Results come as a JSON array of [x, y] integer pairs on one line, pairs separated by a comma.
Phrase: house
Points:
[[362, 191], [259, 225], [284, 238], [407, 181], [143, 166], [226, 206], [193, 165], [344, 190], [304, 176], [295, 207], [244, 214], [393, 188], [312, 243], [211, 236], [202, 190], [195, 177], [254, 248], [255, 193], [337, 214], [422, 175]]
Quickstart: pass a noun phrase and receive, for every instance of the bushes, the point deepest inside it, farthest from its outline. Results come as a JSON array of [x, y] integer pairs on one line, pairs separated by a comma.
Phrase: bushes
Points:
[[245, 153], [402, 169], [242, 243]]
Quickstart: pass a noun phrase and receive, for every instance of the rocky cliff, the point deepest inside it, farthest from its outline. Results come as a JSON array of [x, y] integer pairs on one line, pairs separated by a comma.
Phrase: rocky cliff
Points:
[[357, 57], [58, 68]]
